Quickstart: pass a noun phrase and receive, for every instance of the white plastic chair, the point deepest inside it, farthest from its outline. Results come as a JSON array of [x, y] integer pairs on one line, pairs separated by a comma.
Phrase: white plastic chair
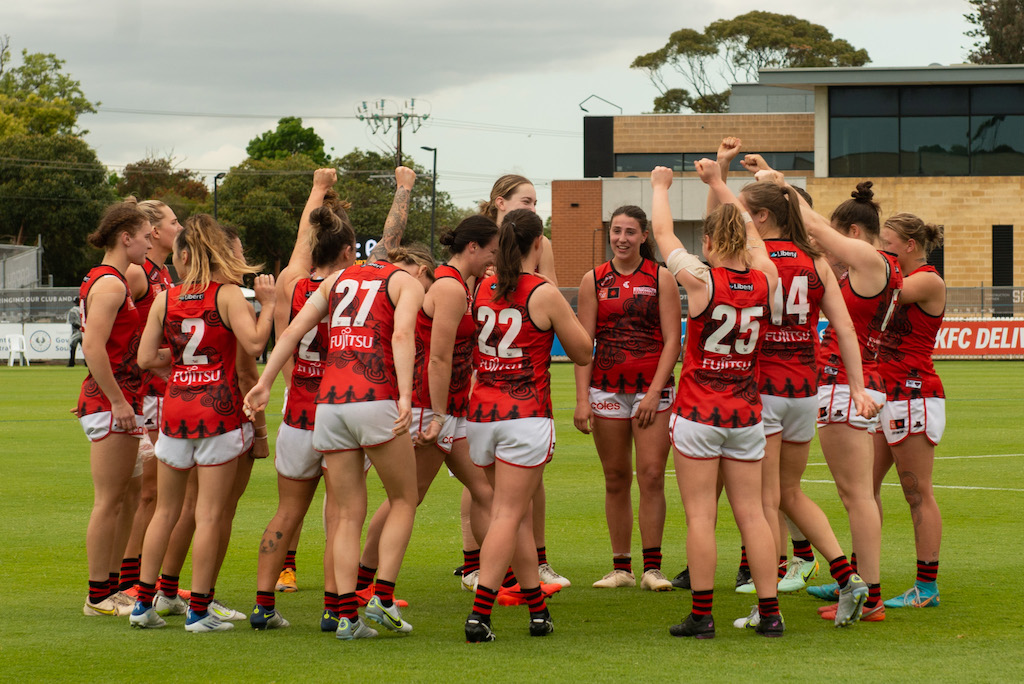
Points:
[[16, 345]]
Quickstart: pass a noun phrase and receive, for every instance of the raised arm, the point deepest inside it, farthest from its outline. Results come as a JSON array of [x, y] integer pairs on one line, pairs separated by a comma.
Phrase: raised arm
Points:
[[398, 217], [727, 151], [301, 259], [687, 268]]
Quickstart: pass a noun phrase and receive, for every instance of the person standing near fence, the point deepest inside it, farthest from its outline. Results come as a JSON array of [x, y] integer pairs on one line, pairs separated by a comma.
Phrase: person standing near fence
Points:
[[74, 318]]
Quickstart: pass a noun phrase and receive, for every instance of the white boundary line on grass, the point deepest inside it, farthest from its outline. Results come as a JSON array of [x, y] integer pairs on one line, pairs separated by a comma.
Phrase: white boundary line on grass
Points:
[[934, 486]]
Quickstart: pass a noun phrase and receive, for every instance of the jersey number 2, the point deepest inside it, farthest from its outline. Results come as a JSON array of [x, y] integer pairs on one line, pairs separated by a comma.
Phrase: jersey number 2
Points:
[[728, 315], [488, 318], [196, 327]]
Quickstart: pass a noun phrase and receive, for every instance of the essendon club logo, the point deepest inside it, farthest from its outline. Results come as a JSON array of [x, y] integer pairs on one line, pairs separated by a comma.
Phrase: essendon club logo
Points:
[[897, 424]]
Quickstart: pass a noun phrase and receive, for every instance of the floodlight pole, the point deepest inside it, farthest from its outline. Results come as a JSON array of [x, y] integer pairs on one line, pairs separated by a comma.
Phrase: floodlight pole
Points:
[[433, 195]]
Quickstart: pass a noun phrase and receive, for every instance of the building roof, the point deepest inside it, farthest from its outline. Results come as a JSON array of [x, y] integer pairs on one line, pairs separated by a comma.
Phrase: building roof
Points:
[[884, 76]]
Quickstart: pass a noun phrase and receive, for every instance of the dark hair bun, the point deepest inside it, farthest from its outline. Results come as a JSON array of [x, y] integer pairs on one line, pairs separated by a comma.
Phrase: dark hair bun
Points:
[[863, 193], [448, 238]]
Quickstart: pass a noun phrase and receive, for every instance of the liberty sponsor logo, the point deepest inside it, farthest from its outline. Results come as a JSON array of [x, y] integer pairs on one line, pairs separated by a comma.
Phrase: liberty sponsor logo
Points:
[[746, 287], [783, 253], [193, 375], [195, 296], [349, 338]]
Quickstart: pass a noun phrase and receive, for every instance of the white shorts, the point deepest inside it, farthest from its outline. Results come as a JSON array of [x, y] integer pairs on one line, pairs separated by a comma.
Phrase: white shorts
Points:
[[700, 441], [793, 417], [360, 425], [836, 406], [184, 454], [294, 456], [152, 409], [454, 428], [623, 406], [904, 417], [523, 442], [98, 425]]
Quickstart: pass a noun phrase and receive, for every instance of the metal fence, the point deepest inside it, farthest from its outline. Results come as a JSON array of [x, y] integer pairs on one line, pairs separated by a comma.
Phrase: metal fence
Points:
[[50, 304]]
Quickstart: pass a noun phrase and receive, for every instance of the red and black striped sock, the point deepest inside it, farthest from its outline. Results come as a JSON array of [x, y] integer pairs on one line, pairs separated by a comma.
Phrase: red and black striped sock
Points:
[[385, 591], [510, 578], [265, 599], [364, 577], [702, 602], [535, 599], [347, 606], [470, 561], [766, 607], [744, 565], [289, 560], [853, 561], [147, 592], [841, 570], [542, 555], [624, 563], [113, 582], [783, 566], [99, 591], [129, 572], [927, 572], [652, 558], [200, 603], [169, 585], [483, 603], [332, 601], [802, 550], [874, 595]]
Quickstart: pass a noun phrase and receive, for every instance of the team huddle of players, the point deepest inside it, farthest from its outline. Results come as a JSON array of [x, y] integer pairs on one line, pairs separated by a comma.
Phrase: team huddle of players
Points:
[[403, 365]]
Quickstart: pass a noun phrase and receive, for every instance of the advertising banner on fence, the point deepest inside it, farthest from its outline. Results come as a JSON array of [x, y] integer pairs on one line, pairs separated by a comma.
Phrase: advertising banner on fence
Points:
[[985, 337]]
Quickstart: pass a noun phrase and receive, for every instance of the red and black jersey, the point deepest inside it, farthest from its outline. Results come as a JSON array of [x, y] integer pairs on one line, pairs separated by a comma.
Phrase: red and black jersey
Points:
[[787, 365], [202, 397], [122, 347], [462, 353], [628, 333], [360, 362], [905, 355], [871, 316], [158, 279], [718, 385], [309, 360], [513, 355]]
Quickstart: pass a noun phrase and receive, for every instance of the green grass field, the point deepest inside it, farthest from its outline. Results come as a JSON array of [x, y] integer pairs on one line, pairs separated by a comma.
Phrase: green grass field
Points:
[[977, 634]]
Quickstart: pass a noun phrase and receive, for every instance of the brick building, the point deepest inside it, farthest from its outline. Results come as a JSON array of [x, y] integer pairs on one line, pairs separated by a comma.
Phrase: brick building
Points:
[[943, 142]]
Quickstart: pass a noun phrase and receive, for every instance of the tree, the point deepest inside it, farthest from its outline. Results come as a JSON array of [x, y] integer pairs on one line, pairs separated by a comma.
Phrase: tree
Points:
[[184, 191], [999, 30], [733, 51], [53, 186], [38, 97], [289, 138]]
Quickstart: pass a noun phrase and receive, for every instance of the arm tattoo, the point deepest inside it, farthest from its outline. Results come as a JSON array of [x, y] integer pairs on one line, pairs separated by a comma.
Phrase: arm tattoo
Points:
[[394, 226]]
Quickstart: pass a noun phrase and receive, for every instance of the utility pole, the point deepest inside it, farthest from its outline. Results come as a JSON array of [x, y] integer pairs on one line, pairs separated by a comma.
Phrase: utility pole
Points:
[[381, 115]]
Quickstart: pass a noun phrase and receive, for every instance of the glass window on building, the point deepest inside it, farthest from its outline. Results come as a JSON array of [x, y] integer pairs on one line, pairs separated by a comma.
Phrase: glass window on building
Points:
[[641, 162], [997, 145], [864, 146], [934, 146]]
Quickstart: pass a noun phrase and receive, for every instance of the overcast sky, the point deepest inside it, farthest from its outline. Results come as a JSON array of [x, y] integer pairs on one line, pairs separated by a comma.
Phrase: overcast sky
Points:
[[502, 83]]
